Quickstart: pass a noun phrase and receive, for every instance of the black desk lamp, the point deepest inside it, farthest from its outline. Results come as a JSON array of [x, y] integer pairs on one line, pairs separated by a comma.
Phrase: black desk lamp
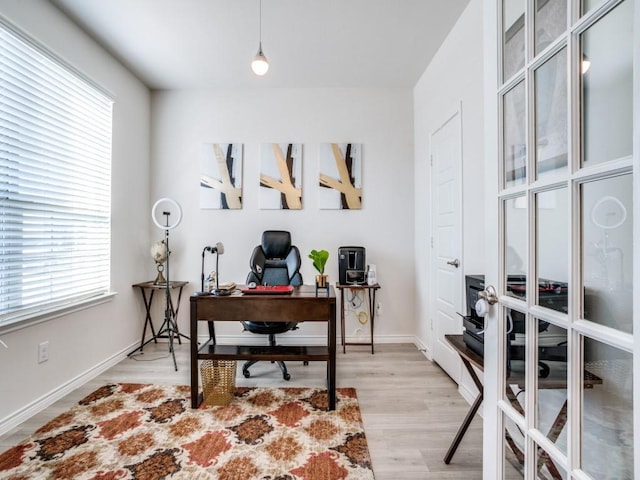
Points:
[[218, 249]]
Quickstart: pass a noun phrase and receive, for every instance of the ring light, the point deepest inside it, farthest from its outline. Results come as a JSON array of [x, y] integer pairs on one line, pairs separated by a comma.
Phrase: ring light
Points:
[[166, 205]]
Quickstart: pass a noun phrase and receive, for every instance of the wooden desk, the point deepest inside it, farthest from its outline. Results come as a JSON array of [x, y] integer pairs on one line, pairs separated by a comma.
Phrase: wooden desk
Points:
[[371, 296], [151, 288], [301, 306], [471, 359]]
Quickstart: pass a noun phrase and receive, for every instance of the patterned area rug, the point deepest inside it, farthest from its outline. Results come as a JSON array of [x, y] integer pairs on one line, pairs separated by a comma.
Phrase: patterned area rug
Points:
[[145, 432]]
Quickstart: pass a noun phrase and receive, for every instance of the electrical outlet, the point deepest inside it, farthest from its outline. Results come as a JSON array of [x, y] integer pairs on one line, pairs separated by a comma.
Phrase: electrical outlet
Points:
[[43, 352]]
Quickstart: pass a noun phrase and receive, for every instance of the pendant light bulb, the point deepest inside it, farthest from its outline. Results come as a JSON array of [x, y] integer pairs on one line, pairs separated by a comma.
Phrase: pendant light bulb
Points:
[[260, 65]]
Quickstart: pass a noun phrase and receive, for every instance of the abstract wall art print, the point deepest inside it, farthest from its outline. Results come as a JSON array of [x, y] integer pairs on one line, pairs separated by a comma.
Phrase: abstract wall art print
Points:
[[221, 176], [281, 176], [340, 181]]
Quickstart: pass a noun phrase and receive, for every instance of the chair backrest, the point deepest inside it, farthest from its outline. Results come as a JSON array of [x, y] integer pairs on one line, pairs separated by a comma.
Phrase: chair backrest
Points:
[[275, 261]]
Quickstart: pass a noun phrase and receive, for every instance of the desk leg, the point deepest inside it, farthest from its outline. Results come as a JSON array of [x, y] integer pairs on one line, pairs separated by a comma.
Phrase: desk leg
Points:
[[193, 330], [372, 312], [472, 412], [331, 364], [342, 339]]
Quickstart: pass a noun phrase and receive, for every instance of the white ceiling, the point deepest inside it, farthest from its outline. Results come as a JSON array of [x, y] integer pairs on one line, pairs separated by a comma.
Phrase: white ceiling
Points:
[[178, 44]]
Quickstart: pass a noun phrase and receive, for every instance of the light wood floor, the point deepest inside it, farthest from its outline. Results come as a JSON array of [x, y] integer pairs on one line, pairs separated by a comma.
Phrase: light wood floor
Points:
[[411, 409]]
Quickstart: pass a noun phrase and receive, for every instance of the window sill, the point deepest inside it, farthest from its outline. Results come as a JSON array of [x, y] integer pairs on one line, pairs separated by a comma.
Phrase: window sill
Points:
[[42, 316]]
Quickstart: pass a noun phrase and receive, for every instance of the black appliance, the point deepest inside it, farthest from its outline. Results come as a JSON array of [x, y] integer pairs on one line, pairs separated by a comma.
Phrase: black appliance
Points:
[[473, 332], [551, 294], [352, 266]]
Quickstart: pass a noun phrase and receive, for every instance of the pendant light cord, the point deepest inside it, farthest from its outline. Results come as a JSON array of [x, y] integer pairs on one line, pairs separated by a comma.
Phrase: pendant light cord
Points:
[[260, 25]]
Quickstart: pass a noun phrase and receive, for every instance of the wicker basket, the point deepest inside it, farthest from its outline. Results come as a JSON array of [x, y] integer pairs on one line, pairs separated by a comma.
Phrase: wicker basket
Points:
[[218, 381]]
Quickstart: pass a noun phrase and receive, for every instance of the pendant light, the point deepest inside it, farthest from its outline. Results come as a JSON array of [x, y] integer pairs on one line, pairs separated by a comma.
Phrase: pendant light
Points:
[[260, 65]]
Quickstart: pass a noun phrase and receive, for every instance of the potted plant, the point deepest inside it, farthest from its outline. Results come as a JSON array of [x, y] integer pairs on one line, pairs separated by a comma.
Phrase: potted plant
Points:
[[319, 258]]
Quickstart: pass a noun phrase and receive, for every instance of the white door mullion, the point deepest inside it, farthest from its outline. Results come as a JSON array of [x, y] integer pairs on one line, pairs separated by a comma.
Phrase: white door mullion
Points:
[[574, 300], [574, 399], [636, 235], [531, 275]]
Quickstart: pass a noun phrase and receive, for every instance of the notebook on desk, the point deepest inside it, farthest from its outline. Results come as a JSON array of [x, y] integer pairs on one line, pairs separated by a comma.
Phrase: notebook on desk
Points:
[[268, 290]]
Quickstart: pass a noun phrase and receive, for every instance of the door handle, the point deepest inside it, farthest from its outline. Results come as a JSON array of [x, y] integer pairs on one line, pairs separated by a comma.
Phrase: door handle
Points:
[[486, 298], [455, 263], [489, 294]]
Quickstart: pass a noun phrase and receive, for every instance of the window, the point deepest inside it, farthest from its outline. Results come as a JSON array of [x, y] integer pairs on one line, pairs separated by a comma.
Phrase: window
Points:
[[55, 183]]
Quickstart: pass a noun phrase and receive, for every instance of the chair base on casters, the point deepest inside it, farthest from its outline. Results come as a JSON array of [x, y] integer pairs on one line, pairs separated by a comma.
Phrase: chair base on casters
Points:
[[283, 368]]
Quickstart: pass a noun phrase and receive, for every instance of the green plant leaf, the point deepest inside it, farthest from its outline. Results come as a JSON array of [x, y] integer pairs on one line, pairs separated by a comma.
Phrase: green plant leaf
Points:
[[319, 259]]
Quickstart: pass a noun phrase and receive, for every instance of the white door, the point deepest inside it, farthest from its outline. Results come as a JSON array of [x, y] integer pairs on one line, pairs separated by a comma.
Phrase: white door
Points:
[[563, 141], [446, 178]]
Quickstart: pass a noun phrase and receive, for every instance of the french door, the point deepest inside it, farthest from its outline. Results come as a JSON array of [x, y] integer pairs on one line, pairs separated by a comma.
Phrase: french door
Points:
[[562, 88]]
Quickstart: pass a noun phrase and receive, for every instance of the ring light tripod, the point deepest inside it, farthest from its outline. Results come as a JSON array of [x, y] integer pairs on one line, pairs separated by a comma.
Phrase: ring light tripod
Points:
[[169, 209]]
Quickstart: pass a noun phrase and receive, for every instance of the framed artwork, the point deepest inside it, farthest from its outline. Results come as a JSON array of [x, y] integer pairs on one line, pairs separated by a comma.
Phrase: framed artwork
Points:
[[221, 176], [340, 178], [281, 176]]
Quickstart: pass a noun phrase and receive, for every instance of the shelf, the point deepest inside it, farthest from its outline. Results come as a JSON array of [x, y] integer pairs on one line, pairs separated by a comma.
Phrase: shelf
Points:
[[264, 352]]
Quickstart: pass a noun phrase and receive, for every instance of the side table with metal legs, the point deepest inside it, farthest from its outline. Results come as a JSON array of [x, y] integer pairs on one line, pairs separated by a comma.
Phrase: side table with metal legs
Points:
[[169, 326], [371, 297]]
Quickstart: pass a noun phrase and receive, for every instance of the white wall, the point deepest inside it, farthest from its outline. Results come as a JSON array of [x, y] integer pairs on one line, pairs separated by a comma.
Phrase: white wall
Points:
[[381, 120], [88, 339], [453, 78]]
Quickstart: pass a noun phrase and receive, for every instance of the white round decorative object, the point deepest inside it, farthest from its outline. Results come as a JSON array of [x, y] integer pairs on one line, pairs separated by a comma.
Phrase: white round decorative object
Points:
[[159, 252], [482, 307], [159, 255]]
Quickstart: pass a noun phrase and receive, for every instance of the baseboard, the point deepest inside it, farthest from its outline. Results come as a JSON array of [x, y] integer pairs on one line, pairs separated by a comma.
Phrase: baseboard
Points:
[[466, 393], [423, 348], [19, 416]]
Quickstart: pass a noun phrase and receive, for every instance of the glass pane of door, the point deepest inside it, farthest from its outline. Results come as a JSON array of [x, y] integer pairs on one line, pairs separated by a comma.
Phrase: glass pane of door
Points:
[[550, 22], [607, 252], [513, 450], [551, 115], [516, 350], [552, 256], [514, 151], [607, 92], [588, 5], [513, 36], [515, 217], [607, 417], [547, 468], [551, 393]]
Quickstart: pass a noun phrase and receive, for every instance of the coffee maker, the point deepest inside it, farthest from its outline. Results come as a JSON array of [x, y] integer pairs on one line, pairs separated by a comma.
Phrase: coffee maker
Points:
[[352, 266]]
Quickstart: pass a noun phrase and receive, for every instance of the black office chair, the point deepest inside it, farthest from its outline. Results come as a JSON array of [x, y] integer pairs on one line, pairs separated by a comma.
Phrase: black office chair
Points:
[[274, 262]]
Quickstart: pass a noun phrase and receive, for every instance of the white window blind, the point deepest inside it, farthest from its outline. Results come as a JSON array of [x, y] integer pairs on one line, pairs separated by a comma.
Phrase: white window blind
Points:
[[55, 183]]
